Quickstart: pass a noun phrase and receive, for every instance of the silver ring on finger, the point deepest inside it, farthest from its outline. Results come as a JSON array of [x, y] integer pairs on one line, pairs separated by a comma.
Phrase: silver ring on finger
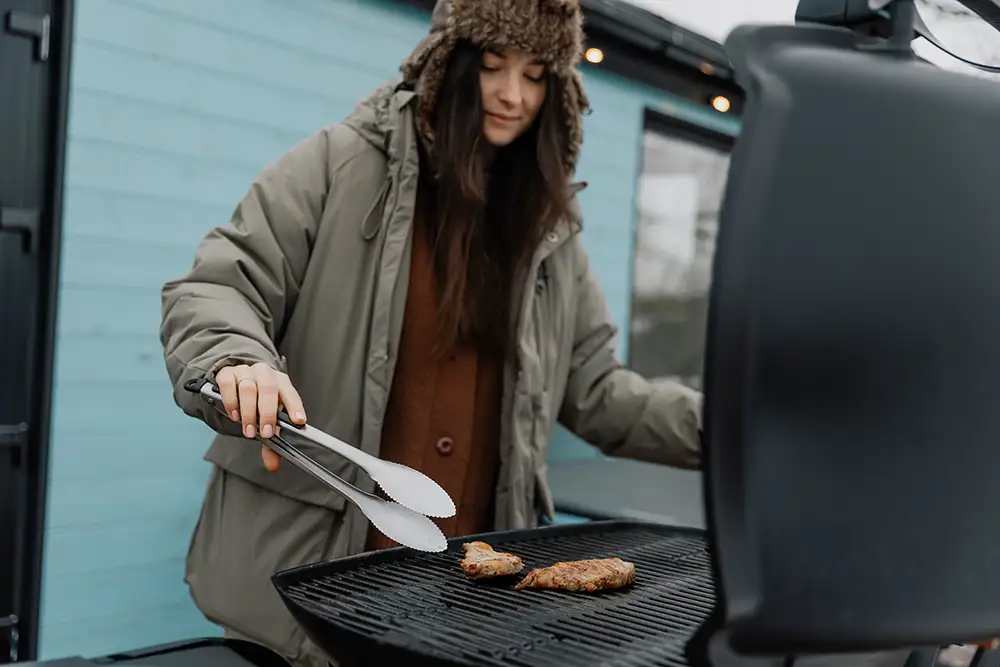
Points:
[[246, 379]]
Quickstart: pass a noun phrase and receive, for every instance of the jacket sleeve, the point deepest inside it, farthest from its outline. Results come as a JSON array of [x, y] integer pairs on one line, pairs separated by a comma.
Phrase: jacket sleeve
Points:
[[230, 307], [618, 410]]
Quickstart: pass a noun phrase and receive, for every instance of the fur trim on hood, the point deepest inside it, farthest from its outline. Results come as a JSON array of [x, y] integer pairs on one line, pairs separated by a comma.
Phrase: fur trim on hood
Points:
[[552, 30]]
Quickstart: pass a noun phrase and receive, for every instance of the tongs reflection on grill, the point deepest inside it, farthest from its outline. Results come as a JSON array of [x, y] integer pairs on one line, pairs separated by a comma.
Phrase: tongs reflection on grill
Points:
[[399, 522]]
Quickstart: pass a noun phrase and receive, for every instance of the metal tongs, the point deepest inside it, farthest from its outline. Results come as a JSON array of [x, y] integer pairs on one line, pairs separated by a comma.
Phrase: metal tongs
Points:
[[415, 496]]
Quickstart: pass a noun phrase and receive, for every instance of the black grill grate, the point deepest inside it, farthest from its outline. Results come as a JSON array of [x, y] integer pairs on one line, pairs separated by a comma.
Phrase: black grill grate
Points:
[[419, 608]]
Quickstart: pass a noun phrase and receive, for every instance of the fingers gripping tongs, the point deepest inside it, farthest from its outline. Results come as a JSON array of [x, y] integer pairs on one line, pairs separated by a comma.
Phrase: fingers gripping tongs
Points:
[[414, 495]]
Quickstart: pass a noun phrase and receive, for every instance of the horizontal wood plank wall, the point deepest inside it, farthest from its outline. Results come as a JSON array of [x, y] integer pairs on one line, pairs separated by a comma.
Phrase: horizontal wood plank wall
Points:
[[175, 107]]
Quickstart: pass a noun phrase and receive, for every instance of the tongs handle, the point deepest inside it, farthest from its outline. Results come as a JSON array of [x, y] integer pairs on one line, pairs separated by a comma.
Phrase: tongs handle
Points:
[[197, 386], [210, 392], [360, 458], [392, 519]]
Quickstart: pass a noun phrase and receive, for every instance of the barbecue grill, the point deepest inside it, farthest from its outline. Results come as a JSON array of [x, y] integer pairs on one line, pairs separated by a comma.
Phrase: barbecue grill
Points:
[[401, 607], [853, 369]]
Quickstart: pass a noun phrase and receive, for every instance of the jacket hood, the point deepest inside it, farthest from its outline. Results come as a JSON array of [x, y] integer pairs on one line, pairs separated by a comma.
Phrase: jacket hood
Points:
[[552, 30], [373, 118]]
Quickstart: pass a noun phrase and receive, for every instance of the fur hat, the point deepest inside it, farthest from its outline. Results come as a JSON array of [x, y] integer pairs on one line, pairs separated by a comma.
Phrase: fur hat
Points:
[[552, 30]]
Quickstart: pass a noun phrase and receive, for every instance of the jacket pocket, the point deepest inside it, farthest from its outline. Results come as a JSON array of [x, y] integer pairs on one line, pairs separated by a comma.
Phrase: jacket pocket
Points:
[[244, 535]]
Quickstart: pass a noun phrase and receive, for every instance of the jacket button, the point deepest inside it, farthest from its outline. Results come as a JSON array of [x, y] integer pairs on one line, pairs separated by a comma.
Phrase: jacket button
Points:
[[445, 446]]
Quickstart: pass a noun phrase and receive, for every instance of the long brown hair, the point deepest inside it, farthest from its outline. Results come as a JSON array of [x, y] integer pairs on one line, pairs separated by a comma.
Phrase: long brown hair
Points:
[[488, 209]]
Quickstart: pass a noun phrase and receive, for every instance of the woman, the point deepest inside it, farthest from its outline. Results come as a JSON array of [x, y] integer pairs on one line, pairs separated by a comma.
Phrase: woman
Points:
[[413, 278]]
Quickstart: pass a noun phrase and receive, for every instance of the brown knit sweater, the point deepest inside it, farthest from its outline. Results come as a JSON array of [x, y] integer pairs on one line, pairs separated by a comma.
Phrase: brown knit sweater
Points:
[[443, 416]]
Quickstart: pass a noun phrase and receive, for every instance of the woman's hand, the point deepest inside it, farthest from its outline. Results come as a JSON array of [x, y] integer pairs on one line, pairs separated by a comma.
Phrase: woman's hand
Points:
[[252, 395]]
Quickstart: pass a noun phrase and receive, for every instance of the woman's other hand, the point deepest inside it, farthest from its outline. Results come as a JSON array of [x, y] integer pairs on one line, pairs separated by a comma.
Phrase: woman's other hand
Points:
[[253, 395]]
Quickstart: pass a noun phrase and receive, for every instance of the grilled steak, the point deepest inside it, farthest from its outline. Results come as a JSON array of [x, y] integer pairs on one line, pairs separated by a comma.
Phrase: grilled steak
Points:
[[582, 575], [482, 562]]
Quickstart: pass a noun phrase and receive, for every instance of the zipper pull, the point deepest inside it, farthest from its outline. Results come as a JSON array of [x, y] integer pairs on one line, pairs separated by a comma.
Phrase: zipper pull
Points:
[[372, 222]]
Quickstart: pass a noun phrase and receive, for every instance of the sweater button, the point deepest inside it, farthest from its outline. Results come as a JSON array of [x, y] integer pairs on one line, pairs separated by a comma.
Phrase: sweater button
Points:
[[445, 446]]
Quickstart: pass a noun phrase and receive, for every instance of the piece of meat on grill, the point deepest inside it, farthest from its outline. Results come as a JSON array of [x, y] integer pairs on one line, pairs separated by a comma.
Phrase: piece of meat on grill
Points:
[[585, 576], [482, 562]]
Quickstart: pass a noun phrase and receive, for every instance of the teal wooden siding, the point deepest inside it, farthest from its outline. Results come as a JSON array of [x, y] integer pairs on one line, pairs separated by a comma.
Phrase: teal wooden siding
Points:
[[175, 107]]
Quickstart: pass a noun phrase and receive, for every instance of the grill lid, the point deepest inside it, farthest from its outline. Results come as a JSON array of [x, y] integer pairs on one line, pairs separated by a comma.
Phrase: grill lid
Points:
[[849, 425], [419, 609]]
